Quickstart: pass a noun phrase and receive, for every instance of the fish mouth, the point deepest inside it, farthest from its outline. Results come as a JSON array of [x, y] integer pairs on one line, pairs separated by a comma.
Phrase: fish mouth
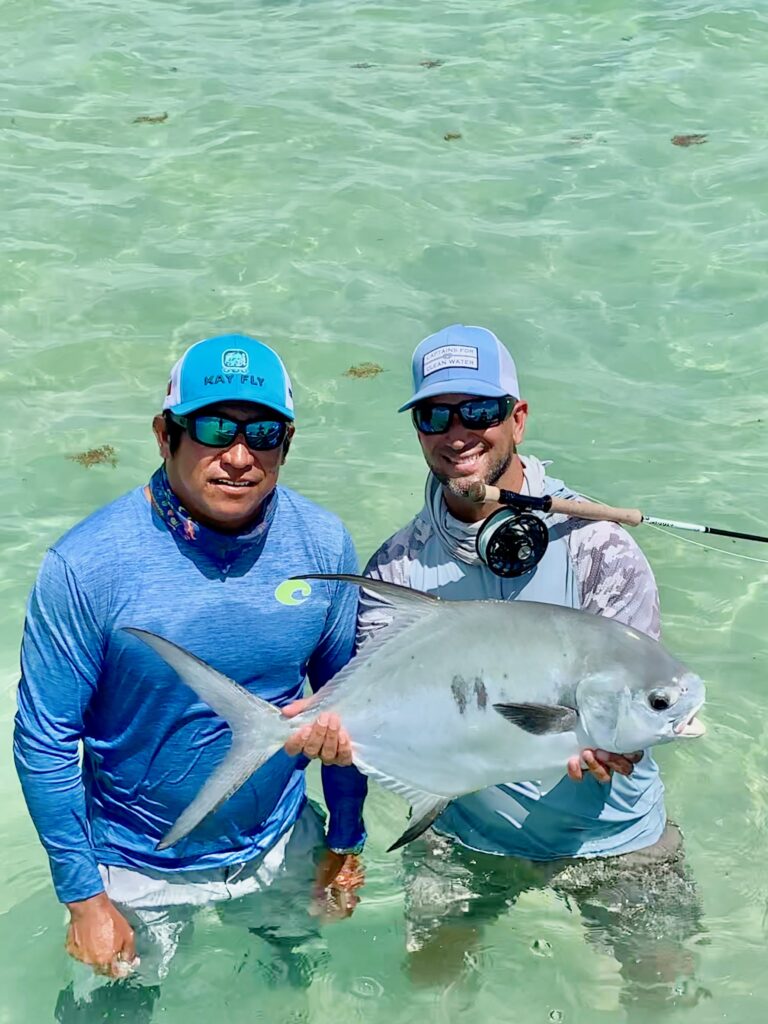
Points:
[[690, 727]]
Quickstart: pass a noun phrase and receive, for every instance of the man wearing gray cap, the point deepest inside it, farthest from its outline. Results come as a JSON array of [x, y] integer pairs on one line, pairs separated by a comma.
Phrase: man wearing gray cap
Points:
[[470, 420]]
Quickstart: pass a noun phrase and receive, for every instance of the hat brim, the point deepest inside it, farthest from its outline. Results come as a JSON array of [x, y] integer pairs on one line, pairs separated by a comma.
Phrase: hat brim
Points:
[[479, 388], [192, 406]]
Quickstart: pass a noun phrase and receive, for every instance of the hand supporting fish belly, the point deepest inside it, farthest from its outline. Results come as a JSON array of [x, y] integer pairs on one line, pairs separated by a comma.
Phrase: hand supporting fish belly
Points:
[[601, 764], [457, 696], [325, 738]]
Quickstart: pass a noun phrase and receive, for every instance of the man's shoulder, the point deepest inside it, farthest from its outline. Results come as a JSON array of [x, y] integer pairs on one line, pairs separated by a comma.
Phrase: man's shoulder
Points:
[[304, 510], [104, 531], [390, 558], [315, 533], [610, 541], [615, 577]]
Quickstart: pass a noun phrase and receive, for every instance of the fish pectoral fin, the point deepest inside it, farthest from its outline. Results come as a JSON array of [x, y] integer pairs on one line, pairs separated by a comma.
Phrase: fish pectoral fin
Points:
[[425, 809], [539, 719]]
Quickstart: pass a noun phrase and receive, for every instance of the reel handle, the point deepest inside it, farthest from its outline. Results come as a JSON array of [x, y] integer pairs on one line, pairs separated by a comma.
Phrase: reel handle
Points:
[[565, 506]]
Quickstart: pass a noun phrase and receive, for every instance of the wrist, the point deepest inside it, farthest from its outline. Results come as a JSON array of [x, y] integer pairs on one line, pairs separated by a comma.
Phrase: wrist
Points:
[[79, 908], [349, 851]]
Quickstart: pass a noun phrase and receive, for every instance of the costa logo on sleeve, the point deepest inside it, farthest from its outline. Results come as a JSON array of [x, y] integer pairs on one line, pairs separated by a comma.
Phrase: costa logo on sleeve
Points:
[[450, 357]]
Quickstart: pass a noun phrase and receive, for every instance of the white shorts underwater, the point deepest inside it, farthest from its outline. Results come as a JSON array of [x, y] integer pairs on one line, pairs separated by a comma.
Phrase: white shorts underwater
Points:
[[269, 895]]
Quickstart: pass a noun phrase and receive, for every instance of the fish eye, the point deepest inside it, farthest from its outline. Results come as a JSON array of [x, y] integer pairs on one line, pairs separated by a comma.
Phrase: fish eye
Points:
[[661, 700]]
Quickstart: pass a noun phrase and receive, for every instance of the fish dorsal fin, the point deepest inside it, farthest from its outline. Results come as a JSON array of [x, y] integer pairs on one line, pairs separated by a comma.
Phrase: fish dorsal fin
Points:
[[409, 606], [397, 594], [425, 807]]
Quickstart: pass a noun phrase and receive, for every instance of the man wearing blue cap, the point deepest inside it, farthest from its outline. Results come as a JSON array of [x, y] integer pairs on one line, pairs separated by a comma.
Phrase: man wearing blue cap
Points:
[[201, 555], [470, 420]]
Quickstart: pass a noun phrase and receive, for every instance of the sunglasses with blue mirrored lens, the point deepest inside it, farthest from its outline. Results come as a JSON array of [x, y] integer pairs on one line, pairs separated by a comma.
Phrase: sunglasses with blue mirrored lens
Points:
[[473, 413], [261, 435]]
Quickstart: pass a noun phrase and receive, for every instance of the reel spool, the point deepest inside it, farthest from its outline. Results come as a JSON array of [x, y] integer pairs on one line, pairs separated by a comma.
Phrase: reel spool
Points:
[[512, 543]]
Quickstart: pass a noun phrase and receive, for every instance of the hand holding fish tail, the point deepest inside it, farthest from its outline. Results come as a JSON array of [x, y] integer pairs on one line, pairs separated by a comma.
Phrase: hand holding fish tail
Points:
[[324, 738], [601, 764], [338, 878]]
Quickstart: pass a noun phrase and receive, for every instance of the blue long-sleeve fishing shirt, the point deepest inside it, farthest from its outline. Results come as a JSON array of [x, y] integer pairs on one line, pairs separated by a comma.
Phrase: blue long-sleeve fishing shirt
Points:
[[148, 743]]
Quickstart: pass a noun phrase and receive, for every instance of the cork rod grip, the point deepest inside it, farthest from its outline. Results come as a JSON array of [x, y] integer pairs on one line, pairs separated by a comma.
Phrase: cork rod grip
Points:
[[567, 507], [594, 510]]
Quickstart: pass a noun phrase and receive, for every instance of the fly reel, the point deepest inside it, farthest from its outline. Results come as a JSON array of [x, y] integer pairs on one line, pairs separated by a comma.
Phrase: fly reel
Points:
[[512, 543]]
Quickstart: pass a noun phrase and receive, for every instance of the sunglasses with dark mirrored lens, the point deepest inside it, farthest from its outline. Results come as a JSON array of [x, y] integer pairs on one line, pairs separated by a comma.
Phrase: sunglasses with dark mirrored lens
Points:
[[473, 413], [261, 435]]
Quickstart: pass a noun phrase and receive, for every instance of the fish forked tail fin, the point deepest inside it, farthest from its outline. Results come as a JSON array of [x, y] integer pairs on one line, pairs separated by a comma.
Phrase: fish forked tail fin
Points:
[[258, 730]]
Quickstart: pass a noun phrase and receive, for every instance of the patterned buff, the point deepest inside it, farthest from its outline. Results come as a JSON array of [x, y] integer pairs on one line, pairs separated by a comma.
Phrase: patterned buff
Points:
[[180, 523]]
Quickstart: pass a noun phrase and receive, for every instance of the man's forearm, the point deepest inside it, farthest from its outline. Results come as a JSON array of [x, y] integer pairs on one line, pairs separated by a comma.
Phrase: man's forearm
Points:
[[345, 790], [53, 790]]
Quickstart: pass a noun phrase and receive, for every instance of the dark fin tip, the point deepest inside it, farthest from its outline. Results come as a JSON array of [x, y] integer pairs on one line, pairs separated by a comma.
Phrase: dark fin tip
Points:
[[416, 829], [539, 719]]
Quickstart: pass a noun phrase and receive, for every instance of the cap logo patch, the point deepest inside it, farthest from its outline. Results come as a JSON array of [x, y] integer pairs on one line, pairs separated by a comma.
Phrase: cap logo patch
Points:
[[450, 357], [234, 360]]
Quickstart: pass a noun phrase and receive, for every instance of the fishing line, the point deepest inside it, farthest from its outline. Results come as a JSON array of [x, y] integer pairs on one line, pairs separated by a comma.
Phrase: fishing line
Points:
[[708, 547], [696, 543]]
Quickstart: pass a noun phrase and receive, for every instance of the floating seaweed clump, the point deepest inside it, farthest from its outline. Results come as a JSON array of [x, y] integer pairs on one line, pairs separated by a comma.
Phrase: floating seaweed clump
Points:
[[689, 140], [105, 455], [364, 370], [450, 136], [151, 118]]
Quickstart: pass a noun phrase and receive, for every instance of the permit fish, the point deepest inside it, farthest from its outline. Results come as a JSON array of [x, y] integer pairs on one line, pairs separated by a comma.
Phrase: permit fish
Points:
[[455, 696]]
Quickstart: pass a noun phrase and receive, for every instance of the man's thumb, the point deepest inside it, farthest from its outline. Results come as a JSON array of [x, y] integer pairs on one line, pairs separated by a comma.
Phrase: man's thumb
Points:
[[127, 950], [291, 710]]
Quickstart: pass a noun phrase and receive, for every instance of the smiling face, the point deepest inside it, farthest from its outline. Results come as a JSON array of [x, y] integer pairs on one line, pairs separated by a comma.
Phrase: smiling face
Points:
[[461, 456], [223, 488]]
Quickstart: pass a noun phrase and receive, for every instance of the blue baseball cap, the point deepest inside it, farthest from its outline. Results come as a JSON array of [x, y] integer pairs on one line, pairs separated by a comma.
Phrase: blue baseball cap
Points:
[[462, 360], [229, 368]]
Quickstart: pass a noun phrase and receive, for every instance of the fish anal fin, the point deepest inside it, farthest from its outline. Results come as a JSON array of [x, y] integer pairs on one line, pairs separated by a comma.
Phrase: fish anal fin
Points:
[[539, 719], [422, 817], [425, 807]]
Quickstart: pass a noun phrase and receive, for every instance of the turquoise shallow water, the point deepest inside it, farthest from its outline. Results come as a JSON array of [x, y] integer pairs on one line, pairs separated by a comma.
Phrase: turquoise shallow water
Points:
[[317, 204]]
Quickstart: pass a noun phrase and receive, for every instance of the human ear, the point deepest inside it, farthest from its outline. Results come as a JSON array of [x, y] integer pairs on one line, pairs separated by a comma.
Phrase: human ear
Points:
[[287, 442], [160, 429], [519, 416]]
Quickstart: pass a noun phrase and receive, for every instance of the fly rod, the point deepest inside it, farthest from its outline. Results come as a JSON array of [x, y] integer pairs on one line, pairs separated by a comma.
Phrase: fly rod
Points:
[[484, 493]]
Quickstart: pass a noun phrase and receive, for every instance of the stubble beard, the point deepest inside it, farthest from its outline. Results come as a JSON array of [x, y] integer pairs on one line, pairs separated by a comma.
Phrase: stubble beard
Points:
[[460, 486]]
